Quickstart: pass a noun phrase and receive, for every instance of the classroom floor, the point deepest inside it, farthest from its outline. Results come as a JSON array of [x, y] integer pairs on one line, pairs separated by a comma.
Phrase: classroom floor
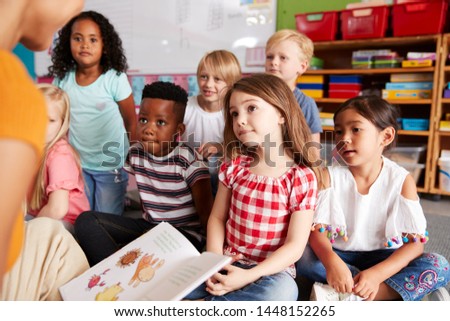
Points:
[[438, 207]]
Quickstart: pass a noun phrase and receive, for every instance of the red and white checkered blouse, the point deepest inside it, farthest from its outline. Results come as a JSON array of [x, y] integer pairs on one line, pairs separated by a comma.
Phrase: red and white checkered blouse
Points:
[[261, 207]]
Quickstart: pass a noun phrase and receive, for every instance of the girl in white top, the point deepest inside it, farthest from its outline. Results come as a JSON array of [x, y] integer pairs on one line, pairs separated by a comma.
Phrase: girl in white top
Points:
[[204, 119], [369, 229]]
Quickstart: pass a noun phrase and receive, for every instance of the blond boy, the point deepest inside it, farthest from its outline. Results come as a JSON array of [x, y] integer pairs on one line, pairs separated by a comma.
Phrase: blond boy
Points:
[[288, 54]]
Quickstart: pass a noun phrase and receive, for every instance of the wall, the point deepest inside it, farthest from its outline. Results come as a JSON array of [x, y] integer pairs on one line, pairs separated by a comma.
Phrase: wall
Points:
[[171, 36]]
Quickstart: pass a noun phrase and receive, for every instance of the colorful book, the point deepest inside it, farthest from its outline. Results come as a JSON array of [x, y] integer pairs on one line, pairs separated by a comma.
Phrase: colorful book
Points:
[[160, 265]]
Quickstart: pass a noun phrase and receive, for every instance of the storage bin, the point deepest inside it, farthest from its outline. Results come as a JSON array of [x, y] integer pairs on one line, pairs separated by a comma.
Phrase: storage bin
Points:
[[406, 154], [318, 26], [419, 18], [364, 23], [444, 173], [414, 169], [415, 124]]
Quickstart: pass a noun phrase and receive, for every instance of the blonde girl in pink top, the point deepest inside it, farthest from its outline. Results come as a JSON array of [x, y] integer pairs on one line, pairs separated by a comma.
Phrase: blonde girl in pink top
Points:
[[58, 190]]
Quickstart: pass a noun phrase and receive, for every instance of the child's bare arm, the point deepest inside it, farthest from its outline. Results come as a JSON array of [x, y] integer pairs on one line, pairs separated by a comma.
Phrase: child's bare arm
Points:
[[215, 235], [17, 167], [57, 205], [128, 112], [203, 200], [339, 276], [368, 281], [292, 249]]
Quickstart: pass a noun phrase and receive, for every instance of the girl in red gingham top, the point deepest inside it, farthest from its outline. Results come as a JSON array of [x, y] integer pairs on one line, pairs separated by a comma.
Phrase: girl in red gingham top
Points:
[[263, 210]]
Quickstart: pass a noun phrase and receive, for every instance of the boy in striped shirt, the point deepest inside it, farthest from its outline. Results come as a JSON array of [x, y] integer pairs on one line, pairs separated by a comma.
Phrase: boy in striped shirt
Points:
[[173, 182]]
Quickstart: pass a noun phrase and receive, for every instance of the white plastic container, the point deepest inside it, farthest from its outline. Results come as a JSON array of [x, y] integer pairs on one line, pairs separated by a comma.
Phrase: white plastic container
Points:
[[444, 172], [414, 169], [406, 153]]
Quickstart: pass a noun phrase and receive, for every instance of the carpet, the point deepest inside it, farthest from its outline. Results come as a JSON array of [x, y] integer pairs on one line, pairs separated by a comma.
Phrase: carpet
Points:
[[438, 227]]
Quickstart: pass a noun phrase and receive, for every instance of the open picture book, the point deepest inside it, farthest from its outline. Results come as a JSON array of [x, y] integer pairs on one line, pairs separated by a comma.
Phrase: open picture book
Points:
[[160, 265]]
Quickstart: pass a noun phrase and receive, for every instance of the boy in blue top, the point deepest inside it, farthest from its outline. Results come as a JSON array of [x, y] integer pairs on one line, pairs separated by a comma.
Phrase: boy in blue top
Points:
[[288, 53]]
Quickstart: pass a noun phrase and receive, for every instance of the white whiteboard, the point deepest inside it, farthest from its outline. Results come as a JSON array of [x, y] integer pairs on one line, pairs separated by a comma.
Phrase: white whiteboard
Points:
[[171, 36]]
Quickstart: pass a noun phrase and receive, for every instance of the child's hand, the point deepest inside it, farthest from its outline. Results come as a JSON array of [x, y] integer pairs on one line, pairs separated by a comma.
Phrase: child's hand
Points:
[[235, 279], [208, 149], [339, 277], [236, 258], [367, 285]]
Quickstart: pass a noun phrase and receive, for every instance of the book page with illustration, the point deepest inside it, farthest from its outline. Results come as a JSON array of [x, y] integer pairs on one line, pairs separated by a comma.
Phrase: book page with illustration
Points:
[[159, 265]]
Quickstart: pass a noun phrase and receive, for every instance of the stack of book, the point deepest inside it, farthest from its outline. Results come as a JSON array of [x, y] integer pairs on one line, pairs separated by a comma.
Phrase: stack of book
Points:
[[344, 86], [409, 86]]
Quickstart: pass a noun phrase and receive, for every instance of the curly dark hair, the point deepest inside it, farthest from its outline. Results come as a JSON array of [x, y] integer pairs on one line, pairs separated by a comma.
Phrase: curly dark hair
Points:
[[168, 91], [113, 56]]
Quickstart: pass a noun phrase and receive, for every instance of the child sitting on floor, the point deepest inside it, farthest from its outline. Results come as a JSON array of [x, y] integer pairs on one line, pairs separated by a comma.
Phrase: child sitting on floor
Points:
[[369, 228], [173, 182], [58, 187]]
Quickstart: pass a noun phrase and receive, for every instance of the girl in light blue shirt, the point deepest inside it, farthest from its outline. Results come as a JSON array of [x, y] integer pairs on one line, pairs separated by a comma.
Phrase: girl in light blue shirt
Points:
[[90, 65]]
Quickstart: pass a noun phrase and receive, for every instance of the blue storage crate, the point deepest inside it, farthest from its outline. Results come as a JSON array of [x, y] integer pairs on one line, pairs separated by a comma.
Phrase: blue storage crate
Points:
[[415, 124]]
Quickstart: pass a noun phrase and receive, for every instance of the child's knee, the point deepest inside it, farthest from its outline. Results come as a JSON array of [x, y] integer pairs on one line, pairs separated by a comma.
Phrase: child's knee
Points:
[[84, 220], [307, 262]]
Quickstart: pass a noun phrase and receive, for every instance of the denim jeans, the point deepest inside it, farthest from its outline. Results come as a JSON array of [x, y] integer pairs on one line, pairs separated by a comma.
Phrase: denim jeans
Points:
[[213, 166], [277, 287], [102, 234], [106, 190], [421, 276]]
